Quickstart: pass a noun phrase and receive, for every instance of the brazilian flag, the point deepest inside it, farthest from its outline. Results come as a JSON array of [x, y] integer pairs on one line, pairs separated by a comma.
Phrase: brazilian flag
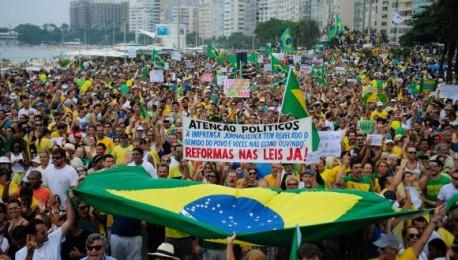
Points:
[[294, 105], [157, 60], [339, 25], [258, 215], [286, 40], [232, 59], [213, 53], [277, 66]]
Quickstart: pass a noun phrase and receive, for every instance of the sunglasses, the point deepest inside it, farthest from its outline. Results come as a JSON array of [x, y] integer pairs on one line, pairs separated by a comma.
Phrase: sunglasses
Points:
[[412, 152], [251, 173], [412, 236], [97, 248], [292, 184], [211, 176]]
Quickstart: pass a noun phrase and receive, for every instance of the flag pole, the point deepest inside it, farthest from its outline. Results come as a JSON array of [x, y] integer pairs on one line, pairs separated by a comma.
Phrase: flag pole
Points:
[[284, 93]]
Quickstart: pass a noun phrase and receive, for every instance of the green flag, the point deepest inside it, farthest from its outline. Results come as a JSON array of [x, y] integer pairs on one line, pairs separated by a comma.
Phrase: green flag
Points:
[[295, 244], [294, 104], [339, 25], [213, 53], [157, 60], [277, 66], [145, 74], [268, 49], [332, 32], [286, 40], [258, 215], [232, 58]]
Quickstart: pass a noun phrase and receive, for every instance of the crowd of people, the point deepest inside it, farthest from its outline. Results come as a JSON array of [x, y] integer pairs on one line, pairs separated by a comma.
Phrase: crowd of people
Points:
[[58, 126]]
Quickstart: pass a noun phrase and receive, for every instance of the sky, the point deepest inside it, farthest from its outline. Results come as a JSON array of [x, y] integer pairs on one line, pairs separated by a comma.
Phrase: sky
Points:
[[39, 12], [15, 12]]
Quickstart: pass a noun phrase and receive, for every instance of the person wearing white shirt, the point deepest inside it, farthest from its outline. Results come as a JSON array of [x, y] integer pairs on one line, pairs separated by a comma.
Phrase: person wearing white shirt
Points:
[[45, 167], [448, 190], [61, 177], [137, 160], [40, 245]]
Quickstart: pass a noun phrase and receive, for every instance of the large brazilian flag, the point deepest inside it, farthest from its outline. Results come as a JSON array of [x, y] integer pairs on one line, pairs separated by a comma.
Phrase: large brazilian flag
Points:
[[258, 215]]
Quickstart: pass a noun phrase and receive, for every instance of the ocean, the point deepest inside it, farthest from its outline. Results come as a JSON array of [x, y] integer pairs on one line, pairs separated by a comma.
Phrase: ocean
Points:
[[17, 53]]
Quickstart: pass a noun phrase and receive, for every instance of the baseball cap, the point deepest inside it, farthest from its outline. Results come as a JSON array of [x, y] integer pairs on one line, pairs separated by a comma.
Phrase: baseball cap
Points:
[[387, 240]]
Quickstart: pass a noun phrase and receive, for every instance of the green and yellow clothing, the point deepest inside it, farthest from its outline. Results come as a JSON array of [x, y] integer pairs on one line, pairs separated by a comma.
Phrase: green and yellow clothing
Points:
[[379, 114], [363, 184], [43, 145], [433, 187], [271, 180], [121, 154], [329, 176], [107, 141]]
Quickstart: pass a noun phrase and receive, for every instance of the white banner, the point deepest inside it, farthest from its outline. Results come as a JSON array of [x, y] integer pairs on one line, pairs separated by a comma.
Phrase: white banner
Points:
[[176, 56], [268, 67], [376, 139], [448, 91], [156, 76], [220, 79], [288, 142], [329, 146]]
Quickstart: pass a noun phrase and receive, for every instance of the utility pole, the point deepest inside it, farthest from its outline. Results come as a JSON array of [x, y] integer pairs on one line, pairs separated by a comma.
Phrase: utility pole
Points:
[[178, 23], [370, 20]]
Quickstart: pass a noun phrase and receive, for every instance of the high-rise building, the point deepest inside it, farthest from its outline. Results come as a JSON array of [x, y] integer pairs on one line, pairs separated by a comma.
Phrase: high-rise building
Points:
[[98, 14], [79, 14], [321, 12], [188, 17], [239, 16], [144, 15], [381, 20], [292, 10]]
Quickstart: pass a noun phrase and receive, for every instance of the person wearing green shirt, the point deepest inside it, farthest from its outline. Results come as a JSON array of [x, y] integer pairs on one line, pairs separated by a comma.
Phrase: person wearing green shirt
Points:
[[434, 180], [355, 180]]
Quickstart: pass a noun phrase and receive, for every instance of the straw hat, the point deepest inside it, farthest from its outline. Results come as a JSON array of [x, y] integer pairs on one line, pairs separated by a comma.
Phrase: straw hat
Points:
[[165, 250]]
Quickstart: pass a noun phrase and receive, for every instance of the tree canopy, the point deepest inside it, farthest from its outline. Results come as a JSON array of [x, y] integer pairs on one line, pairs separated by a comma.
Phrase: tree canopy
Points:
[[304, 33], [437, 23]]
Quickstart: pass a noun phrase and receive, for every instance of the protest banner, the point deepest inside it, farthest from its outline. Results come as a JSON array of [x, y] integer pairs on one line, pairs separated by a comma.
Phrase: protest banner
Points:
[[376, 139], [131, 52], [220, 79], [166, 66], [176, 56], [341, 70], [366, 126], [206, 77], [157, 76], [306, 69], [268, 67], [297, 59], [329, 146], [330, 143], [289, 142], [448, 91], [189, 65], [237, 87]]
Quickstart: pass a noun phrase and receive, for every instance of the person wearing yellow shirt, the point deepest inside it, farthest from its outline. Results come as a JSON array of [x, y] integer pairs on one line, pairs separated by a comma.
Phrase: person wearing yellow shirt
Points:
[[121, 152], [42, 142], [273, 178], [390, 148], [379, 112], [349, 141], [102, 138], [389, 247], [61, 131]]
